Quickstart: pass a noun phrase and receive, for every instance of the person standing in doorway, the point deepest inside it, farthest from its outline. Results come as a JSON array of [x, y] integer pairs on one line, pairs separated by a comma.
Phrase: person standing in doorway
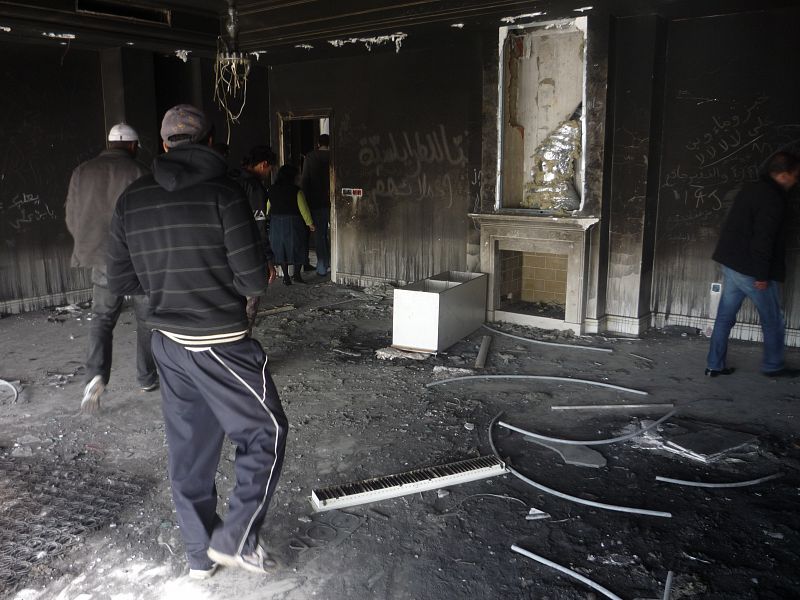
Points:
[[93, 191], [751, 250], [254, 177], [289, 217], [186, 237], [316, 185]]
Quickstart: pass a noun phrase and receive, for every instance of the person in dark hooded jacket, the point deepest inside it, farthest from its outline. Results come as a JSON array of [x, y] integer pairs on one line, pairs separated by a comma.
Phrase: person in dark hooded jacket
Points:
[[254, 177], [185, 236], [752, 252]]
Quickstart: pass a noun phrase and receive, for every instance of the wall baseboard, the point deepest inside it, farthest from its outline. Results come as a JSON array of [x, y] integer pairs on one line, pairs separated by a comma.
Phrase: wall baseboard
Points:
[[39, 302]]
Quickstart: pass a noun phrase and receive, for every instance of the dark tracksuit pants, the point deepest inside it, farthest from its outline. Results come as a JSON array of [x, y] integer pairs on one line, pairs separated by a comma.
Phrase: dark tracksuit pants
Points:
[[206, 394]]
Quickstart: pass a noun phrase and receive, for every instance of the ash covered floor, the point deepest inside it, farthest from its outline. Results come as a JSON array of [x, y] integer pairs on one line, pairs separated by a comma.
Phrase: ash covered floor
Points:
[[353, 417]]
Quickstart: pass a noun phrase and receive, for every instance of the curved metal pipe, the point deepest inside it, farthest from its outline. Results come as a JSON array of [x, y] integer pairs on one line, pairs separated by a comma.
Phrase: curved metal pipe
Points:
[[544, 488], [732, 484], [13, 389], [532, 341], [621, 438], [566, 571], [541, 377]]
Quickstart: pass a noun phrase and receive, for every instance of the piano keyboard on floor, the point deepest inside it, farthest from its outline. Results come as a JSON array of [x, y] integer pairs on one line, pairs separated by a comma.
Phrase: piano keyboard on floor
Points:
[[401, 484]]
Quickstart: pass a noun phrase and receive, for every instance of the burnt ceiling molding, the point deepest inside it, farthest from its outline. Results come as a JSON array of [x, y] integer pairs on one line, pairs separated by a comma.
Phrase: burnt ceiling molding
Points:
[[94, 24]]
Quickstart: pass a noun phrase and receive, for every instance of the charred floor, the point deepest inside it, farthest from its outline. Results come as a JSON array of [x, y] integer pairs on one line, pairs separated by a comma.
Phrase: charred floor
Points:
[[87, 511]]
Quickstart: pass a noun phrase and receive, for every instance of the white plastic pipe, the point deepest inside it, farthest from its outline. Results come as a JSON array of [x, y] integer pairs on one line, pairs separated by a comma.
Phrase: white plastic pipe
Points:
[[668, 586], [566, 571], [733, 484], [621, 438], [13, 389], [540, 377], [544, 488], [532, 341]]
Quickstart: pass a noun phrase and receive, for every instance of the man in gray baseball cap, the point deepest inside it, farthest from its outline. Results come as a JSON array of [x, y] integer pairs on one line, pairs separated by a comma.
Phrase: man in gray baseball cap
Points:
[[93, 191], [186, 237]]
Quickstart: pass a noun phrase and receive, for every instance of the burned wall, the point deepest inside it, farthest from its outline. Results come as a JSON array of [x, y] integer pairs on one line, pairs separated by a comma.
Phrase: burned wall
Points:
[[54, 114], [51, 118], [730, 97], [638, 51], [406, 128]]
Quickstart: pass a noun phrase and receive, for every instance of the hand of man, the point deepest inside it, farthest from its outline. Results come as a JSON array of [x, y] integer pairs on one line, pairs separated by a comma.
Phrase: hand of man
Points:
[[272, 274], [761, 285], [312, 228]]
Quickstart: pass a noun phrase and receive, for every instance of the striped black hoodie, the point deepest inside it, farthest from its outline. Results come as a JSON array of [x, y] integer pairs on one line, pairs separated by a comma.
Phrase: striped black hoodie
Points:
[[185, 236]]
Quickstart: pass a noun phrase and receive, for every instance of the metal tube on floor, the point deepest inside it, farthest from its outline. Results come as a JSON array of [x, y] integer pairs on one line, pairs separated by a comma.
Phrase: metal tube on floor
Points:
[[480, 362]]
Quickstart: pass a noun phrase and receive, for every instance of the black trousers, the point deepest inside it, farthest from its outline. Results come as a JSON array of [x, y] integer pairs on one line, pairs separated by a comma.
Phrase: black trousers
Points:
[[206, 394], [106, 308]]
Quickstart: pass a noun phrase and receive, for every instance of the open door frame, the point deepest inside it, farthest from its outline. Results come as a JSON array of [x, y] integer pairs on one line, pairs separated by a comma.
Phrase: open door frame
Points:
[[283, 120]]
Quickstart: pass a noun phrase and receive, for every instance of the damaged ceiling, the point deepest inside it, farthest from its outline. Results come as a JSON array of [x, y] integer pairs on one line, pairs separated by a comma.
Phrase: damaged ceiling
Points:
[[290, 26]]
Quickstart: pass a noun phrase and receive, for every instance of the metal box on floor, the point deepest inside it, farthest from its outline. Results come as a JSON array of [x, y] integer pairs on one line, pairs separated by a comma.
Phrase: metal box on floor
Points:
[[433, 314]]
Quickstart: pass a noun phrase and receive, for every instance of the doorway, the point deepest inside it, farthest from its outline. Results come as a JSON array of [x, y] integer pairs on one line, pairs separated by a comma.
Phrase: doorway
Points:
[[299, 133]]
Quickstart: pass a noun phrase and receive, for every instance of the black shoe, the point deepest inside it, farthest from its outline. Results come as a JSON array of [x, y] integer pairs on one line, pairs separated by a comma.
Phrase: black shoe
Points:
[[297, 278], [287, 280], [785, 372], [150, 388], [714, 373], [307, 267]]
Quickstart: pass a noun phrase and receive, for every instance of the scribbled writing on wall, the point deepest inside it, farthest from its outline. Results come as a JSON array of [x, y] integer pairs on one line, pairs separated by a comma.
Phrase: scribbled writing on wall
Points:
[[417, 165], [476, 189], [714, 164], [25, 208]]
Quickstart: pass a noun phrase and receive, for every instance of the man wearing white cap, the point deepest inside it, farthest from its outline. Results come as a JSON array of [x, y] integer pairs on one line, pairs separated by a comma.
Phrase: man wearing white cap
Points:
[[93, 191]]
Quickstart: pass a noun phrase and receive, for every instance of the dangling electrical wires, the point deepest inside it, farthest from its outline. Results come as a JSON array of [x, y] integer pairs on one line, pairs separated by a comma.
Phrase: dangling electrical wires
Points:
[[231, 69]]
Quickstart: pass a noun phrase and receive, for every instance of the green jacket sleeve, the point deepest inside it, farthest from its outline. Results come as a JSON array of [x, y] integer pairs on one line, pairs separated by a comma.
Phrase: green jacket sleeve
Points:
[[303, 206]]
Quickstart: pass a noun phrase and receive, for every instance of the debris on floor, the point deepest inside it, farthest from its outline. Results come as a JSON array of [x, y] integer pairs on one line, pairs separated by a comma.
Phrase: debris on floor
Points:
[[704, 443], [579, 456], [390, 353], [440, 372], [534, 514]]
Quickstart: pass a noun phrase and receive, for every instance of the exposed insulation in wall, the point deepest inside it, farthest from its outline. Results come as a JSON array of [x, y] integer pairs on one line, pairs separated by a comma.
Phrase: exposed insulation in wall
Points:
[[544, 82]]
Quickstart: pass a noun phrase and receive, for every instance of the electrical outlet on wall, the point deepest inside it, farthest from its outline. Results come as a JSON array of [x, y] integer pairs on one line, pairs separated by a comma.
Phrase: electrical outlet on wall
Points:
[[713, 303]]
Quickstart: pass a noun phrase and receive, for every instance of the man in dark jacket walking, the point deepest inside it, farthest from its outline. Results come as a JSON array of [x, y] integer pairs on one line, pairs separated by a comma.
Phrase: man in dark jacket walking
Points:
[[186, 237], [316, 185], [93, 191], [751, 250]]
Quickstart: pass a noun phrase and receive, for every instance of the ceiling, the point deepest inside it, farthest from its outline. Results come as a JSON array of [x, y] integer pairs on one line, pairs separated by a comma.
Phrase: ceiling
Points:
[[293, 27]]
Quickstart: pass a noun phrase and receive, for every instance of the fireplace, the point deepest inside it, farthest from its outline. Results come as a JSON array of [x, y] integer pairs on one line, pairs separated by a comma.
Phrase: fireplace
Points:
[[535, 260]]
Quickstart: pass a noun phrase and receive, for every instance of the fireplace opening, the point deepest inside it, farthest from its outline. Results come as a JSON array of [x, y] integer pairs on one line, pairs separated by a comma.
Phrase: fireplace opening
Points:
[[533, 283]]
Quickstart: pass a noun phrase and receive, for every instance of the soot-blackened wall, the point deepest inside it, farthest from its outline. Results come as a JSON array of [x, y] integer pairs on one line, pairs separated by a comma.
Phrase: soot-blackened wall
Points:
[[51, 119], [731, 100], [406, 128]]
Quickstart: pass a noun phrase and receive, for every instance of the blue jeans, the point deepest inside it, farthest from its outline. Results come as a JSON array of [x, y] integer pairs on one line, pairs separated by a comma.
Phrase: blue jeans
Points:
[[106, 308], [735, 288]]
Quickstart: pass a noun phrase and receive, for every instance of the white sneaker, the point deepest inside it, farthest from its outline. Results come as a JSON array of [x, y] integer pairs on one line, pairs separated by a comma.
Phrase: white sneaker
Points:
[[202, 573], [257, 561], [91, 394]]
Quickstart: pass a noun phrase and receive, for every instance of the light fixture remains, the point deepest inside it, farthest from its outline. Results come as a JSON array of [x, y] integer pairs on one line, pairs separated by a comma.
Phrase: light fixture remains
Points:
[[231, 69]]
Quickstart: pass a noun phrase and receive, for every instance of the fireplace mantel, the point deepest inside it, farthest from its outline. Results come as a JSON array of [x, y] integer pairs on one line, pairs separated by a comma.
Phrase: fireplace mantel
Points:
[[519, 231]]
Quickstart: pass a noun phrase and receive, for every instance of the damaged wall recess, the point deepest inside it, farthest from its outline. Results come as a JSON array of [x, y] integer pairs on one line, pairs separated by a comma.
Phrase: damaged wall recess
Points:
[[541, 127]]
